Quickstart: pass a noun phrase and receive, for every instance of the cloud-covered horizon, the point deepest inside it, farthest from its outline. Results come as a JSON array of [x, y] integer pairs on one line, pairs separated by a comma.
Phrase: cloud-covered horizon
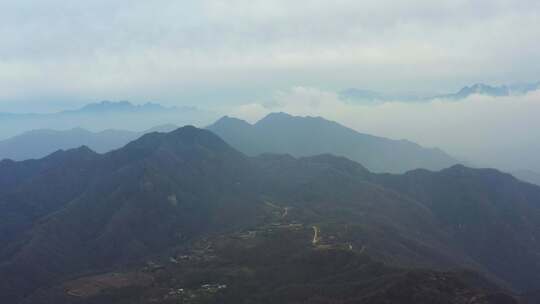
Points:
[[216, 54], [57, 52], [485, 131]]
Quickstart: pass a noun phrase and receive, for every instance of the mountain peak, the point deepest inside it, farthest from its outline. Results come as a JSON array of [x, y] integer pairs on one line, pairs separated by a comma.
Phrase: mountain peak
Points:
[[227, 121], [162, 128], [190, 133], [277, 115], [79, 153], [181, 139], [483, 89]]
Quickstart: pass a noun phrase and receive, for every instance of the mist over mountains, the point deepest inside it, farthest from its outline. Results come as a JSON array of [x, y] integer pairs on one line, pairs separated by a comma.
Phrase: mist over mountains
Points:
[[40, 143], [269, 152], [482, 130], [277, 132], [122, 106], [374, 97], [104, 115], [124, 115], [493, 91], [307, 136]]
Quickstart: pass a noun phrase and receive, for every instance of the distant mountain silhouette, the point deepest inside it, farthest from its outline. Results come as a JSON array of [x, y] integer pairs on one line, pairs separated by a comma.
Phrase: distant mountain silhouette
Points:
[[305, 136], [183, 210], [120, 106], [121, 115], [373, 97], [40, 143], [479, 89], [493, 91]]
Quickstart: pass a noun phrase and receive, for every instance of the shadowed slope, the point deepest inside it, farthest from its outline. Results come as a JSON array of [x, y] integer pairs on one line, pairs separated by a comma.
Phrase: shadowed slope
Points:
[[170, 190]]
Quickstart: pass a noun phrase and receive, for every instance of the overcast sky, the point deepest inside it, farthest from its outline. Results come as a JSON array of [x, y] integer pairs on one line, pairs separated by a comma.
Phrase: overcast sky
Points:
[[62, 53]]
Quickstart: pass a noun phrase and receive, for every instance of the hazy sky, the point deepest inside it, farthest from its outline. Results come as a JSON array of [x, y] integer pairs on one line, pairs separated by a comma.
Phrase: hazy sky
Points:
[[62, 53], [250, 57]]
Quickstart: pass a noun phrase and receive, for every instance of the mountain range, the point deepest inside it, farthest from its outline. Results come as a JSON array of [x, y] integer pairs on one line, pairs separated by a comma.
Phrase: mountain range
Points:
[[184, 217], [250, 139], [105, 106], [493, 91], [40, 143], [119, 115], [274, 133], [123, 106], [374, 97]]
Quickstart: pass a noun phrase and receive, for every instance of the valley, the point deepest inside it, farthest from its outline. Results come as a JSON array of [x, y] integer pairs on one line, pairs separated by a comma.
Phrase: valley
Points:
[[277, 261]]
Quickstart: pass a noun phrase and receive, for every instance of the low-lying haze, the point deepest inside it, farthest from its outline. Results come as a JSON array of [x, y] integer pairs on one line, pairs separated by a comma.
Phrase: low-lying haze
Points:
[[486, 131]]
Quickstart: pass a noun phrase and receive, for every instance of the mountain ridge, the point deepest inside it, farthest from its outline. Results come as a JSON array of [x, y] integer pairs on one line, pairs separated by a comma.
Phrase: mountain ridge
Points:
[[39, 143], [105, 115], [120, 106], [304, 136]]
